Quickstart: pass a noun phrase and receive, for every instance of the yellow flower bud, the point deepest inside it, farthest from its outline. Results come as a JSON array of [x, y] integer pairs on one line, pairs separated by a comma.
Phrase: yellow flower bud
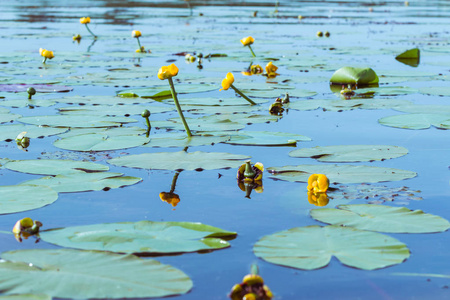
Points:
[[167, 72], [46, 53], [247, 41], [85, 20], [250, 296], [227, 82], [318, 183], [136, 33]]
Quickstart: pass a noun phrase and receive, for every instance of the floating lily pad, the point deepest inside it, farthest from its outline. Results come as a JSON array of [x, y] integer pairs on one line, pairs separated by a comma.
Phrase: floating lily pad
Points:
[[266, 138], [164, 92], [114, 131], [101, 274], [350, 153], [351, 75], [113, 110], [6, 116], [100, 142], [83, 182], [53, 166], [376, 194], [409, 57], [140, 237], [26, 297], [182, 140], [381, 218], [17, 198], [11, 131], [417, 121], [40, 88], [275, 93], [436, 90], [76, 121], [199, 125], [339, 105], [340, 173], [312, 247], [180, 160]]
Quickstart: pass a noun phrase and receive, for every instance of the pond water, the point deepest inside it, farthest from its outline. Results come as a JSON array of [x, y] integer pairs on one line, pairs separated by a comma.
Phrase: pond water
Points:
[[362, 34]]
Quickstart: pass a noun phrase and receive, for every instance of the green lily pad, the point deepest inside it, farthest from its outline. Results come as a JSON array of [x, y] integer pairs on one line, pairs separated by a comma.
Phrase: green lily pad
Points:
[[417, 121], [53, 166], [409, 54], [76, 121], [339, 105], [113, 110], [180, 160], [100, 142], [381, 218], [26, 297], [351, 75], [164, 92], [6, 116], [182, 140], [266, 138], [10, 132], [350, 153], [312, 247], [17, 198], [83, 182], [340, 173], [101, 274], [436, 90], [140, 237]]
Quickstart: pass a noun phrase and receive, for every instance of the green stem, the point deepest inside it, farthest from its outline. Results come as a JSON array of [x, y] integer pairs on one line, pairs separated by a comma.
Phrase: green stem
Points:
[[148, 123], [29, 96], [139, 43], [87, 27], [251, 50], [177, 105], [45, 59], [242, 95]]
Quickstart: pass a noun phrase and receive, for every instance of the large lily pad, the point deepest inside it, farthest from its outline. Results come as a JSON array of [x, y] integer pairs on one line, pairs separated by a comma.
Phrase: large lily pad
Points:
[[312, 247], [266, 138], [350, 153], [61, 272], [53, 166], [180, 160], [417, 121], [76, 121], [40, 88], [341, 173], [100, 142], [26, 297], [182, 140], [83, 182], [351, 75], [11, 131], [17, 198], [381, 218], [140, 237]]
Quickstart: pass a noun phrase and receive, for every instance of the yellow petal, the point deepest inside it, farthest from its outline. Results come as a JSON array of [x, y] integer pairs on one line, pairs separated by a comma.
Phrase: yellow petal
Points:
[[173, 70], [136, 33], [85, 20], [247, 41]]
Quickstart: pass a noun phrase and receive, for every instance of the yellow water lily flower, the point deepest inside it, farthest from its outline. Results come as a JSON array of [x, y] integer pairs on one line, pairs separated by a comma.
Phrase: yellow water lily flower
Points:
[[247, 41], [46, 53], [271, 69], [227, 82], [318, 183], [167, 72], [318, 199], [85, 20], [136, 33], [25, 228]]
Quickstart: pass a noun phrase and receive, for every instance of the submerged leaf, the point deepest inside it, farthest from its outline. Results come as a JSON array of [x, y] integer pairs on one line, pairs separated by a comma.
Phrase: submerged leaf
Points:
[[312, 247]]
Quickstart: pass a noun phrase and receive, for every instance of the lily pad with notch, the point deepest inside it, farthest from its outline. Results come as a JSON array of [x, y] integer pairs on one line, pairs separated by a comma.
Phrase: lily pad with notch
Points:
[[312, 247], [143, 237], [381, 218]]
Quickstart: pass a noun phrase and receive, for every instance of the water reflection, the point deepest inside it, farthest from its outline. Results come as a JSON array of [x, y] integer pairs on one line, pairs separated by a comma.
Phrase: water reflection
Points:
[[318, 199], [170, 197]]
